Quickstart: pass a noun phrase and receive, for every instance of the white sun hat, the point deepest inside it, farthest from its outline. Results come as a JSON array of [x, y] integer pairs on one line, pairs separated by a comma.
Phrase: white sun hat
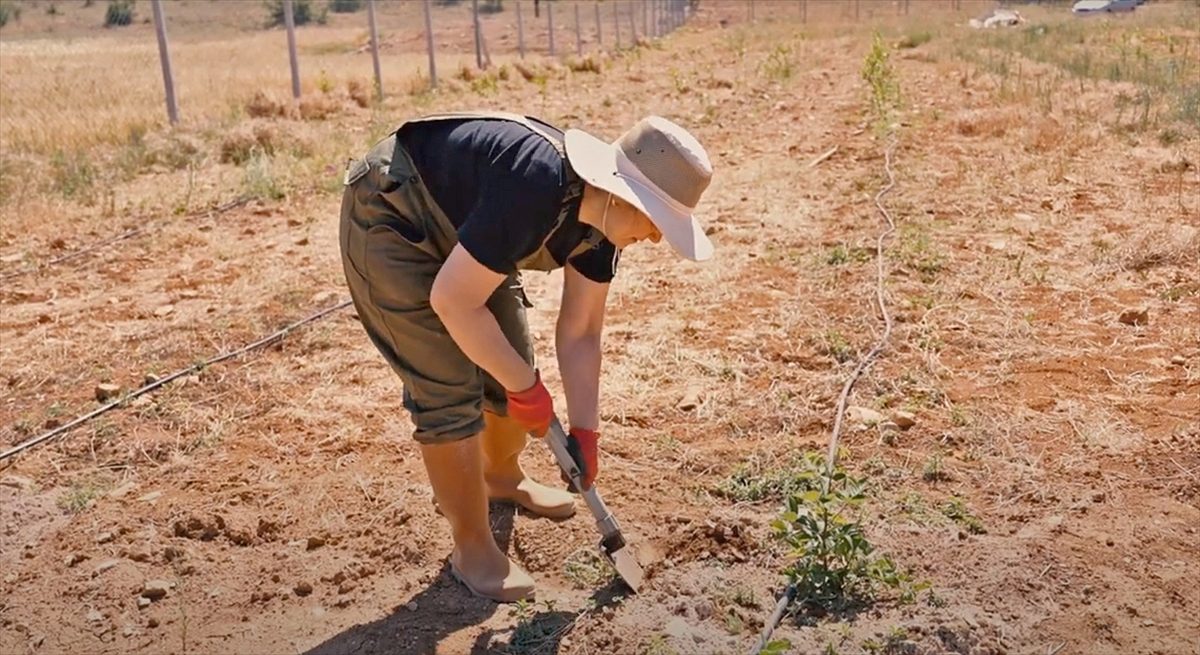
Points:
[[659, 168]]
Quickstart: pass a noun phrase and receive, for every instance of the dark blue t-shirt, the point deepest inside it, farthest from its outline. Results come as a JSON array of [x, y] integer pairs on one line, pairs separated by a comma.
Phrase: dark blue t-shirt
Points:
[[502, 187]]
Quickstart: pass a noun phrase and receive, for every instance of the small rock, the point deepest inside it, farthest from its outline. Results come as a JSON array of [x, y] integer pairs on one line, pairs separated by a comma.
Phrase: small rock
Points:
[[1138, 316], [127, 631], [150, 378], [17, 482], [302, 241], [704, 610], [122, 490], [864, 415], [107, 391], [155, 589], [44, 319], [690, 400], [152, 623], [104, 537], [94, 616], [1179, 360], [303, 589], [323, 297], [904, 419], [411, 606], [1109, 541], [73, 559], [143, 602], [151, 497], [1098, 497], [141, 402], [12, 259], [164, 310], [139, 555], [104, 566], [315, 543]]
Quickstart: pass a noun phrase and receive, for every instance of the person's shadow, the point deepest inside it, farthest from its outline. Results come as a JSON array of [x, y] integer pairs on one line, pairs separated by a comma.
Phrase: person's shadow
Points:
[[445, 607]]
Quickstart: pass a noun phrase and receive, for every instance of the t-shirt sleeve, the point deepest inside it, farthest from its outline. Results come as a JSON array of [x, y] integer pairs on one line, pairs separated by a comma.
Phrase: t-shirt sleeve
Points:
[[598, 263], [514, 213]]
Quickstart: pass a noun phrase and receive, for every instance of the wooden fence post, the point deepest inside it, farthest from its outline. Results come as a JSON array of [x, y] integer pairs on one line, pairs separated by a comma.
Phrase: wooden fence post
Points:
[[289, 21], [164, 58], [599, 30]]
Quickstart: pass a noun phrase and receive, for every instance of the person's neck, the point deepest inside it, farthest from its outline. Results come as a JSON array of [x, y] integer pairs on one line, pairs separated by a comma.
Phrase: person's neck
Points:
[[591, 207]]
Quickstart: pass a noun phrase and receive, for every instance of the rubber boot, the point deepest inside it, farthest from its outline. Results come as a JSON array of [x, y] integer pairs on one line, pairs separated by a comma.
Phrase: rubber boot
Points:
[[456, 474], [503, 440]]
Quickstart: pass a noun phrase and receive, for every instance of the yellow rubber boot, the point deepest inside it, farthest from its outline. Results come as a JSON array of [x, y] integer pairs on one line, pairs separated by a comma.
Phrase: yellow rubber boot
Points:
[[456, 474], [503, 440]]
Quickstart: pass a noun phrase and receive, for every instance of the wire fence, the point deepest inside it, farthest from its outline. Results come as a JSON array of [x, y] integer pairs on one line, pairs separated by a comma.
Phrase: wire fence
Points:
[[492, 30]]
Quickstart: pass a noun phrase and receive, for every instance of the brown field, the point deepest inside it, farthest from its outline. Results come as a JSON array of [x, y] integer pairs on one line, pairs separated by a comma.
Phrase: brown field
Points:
[[1044, 280]]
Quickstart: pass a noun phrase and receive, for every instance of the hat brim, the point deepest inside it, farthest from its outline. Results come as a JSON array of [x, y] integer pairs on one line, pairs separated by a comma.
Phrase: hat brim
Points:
[[598, 164]]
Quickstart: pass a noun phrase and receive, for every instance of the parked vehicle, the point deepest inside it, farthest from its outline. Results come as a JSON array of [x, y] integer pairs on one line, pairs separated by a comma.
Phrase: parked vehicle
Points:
[[1097, 6]]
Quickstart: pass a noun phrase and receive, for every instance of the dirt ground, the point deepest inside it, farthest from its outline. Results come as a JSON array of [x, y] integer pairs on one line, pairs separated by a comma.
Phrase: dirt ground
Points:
[[279, 502]]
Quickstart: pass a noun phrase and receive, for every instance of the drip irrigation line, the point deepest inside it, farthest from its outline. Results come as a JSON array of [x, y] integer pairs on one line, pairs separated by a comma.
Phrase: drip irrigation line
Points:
[[195, 368], [128, 234], [789, 594]]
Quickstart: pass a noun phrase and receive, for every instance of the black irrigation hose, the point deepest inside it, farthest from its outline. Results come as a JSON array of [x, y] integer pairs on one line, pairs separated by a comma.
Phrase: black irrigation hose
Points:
[[128, 234], [789, 594], [195, 368]]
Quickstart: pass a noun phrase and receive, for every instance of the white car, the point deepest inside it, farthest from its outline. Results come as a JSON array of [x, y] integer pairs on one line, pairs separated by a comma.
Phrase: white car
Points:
[[1096, 6]]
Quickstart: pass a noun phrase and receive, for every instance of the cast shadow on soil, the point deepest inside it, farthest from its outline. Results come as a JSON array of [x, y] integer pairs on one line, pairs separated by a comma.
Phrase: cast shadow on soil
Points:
[[445, 607]]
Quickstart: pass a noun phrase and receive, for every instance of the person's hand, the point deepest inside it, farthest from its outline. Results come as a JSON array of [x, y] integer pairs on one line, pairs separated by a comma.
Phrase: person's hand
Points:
[[583, 446], [532, 408]]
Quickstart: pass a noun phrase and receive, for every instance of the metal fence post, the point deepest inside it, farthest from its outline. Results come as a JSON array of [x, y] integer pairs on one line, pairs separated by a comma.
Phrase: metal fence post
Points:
[[164, 57], [375, 49], [550, 23], [475, 26], [520, 31], [617, 24], [599, 31], [578, 34], [429, 45], [289, 21]]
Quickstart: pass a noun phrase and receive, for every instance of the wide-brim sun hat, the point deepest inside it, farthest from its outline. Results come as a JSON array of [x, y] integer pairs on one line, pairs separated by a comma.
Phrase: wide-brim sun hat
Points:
[[659, 168]]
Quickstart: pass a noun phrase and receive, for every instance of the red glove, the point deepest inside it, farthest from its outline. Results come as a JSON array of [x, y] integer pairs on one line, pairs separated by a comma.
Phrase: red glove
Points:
[[532, 408], [583, 446]]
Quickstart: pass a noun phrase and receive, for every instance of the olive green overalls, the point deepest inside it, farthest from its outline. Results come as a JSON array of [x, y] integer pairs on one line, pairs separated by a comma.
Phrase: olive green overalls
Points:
[[394, 240]]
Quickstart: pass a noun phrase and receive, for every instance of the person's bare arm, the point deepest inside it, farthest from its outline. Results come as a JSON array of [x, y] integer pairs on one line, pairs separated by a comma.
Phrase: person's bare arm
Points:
[[577, 342], [459, 297]]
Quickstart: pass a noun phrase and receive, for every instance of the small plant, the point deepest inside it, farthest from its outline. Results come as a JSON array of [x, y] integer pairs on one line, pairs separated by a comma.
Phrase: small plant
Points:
[[73, 175], [778, 65], [832, 343], [754, 482], [587, 570], [841, 254], [880, 77], [259, 180], [345, 6], [913, 40], [776, 647], [302, 13], [78, 497], [932, 472], [957, 511], [658, 646], [119, 13], [9, 12], [834, 566]]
